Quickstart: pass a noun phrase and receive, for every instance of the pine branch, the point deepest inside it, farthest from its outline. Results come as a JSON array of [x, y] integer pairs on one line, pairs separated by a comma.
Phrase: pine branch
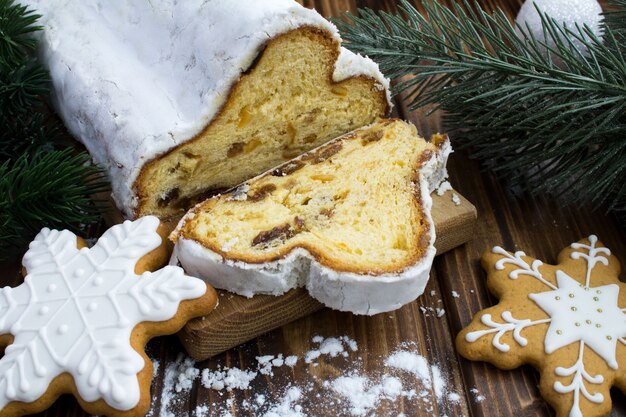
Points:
[[27, 134], [542, 114], [51, 189], [615, 18], [17, 24], [21, 87]]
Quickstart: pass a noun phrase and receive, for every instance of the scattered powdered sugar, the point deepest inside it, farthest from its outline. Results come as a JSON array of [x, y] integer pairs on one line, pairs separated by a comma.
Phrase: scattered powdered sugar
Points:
[[291, 361], [231, 378], [411, 362], [454, 397], [477, 396], [439, 384], [331, 346], [443, 187], [354, 388], [406, 376], [155, 367], [286, 407], [201, 411], [174, 382], [311, 355], [186, 376]]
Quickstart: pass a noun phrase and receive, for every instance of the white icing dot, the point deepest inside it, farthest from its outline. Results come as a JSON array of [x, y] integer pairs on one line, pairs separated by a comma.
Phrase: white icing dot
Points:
[[52, 287], [44, 310], [62, 329], [92, 306], [97, 281], [79, 273]]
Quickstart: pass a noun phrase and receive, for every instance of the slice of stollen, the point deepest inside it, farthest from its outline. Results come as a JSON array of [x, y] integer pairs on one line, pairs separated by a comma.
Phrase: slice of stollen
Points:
[[349, 220]]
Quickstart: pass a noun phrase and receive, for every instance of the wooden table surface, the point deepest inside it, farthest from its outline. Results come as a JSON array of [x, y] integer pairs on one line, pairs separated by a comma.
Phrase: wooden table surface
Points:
[[539, 226]]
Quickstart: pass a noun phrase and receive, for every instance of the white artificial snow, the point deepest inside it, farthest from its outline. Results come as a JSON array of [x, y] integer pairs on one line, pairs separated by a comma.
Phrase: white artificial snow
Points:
[[455, 294], [456, 199], [440, 312]]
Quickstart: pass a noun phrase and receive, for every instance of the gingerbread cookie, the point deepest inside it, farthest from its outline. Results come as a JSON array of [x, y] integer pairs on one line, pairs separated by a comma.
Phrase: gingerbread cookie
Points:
[[80, 321], [567, 320]]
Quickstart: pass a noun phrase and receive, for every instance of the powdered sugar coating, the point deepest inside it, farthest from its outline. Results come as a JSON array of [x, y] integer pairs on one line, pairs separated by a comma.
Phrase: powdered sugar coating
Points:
[[134, 79]]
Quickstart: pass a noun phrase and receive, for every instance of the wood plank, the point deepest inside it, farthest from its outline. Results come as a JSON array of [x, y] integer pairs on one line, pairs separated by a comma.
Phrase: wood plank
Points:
[[238, 319], [539, 226]]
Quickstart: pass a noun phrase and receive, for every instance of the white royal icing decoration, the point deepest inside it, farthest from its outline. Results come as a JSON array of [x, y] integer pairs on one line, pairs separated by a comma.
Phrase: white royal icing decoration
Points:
[[588, 314], [578, 312], [501, 328], [76, 310]]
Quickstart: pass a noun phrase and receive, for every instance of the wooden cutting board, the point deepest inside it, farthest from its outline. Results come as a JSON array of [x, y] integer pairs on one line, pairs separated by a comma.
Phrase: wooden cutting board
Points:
[[238, 319]]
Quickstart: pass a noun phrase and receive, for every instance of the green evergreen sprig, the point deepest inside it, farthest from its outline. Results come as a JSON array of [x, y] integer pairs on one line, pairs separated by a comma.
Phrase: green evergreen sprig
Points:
[[41, 184], [543, 114], [50, 189], [17, 25]]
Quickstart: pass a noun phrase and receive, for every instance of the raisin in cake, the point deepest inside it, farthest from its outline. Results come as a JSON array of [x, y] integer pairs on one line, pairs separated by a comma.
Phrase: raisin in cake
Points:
[[349, 220], [179, 99]]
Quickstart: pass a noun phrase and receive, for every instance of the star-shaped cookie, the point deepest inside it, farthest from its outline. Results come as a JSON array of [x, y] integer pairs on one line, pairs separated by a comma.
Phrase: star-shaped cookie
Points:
[[80, 320], [567, 320]]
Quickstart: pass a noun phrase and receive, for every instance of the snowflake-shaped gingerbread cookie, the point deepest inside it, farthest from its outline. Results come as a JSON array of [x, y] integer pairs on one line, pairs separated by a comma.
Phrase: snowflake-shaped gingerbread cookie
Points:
[[79, 322], [568, 320]]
